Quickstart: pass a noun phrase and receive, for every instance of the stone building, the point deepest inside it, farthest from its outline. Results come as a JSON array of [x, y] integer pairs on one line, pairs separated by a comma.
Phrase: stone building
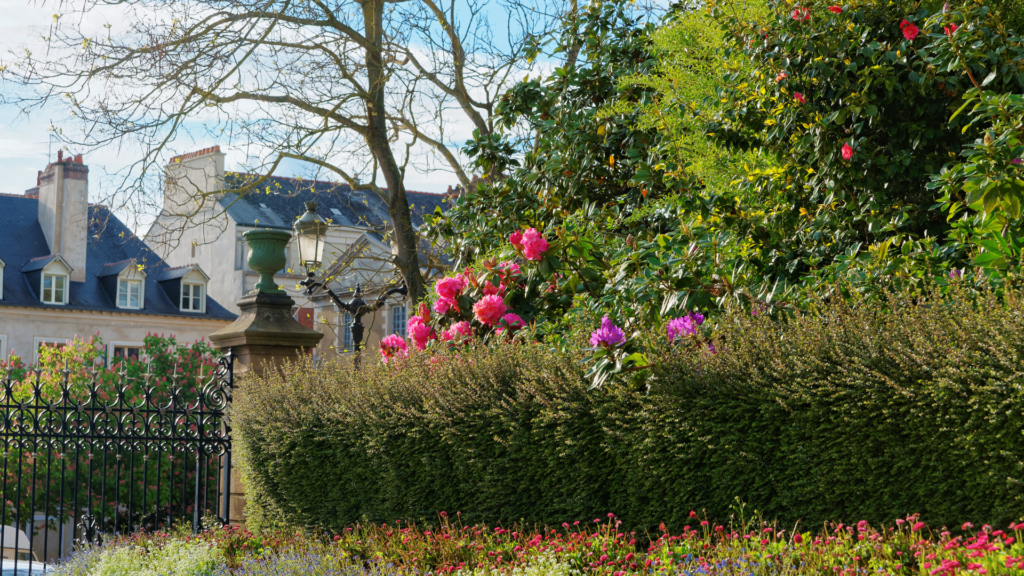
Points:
[[68, 268], [206, 211]]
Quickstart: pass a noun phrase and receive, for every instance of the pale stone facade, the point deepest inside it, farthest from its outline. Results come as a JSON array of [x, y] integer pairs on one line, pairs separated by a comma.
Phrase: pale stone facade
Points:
[[204, 219], [69, 269]]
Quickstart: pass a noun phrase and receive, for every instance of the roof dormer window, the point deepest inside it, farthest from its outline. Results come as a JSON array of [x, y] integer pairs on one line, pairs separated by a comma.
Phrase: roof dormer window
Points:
[[192, 299], [129, 294], [186, 285], [55, 289]]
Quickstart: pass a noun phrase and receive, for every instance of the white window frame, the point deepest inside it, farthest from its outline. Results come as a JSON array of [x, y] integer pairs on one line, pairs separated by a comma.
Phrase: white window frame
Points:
[[347, 341], [3, 347], [142, 293], [123, 344], [42, 288], [403, 325], [202, 297], [2, 266]]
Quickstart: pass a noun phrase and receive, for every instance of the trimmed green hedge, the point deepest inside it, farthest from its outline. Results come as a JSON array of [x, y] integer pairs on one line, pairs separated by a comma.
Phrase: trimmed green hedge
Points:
[[846, 411]]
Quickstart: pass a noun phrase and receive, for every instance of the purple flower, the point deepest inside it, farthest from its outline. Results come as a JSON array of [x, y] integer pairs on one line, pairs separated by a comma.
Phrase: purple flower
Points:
[[955, 274], [1016, 160], [685, 325], [607, 335]]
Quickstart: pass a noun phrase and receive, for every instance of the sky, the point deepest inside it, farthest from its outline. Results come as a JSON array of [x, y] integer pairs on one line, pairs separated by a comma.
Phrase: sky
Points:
[[26, 145]]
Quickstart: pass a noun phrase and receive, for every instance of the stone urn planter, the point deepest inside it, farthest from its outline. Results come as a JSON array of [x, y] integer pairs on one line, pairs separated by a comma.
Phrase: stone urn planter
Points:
[[268, 257]]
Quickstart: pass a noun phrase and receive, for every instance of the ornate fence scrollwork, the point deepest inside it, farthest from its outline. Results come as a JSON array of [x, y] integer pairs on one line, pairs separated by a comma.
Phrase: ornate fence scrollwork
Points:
[[86, 455]]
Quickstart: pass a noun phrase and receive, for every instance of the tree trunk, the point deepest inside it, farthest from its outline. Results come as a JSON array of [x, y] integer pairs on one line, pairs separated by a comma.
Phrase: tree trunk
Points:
[[407, 258]]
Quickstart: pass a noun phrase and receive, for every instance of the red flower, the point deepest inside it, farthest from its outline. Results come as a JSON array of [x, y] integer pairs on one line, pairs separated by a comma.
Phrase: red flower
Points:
[[835, 9], [950, 29], [801, 14], [909, 30], [781, 76], [799, 98], [847, 152]]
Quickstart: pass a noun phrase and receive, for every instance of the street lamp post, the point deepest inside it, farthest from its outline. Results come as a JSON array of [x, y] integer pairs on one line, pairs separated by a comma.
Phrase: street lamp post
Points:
[[311, 234]]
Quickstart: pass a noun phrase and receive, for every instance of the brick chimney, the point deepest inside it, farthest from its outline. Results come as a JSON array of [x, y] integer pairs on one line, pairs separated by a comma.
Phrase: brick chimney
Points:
[[63, 190]]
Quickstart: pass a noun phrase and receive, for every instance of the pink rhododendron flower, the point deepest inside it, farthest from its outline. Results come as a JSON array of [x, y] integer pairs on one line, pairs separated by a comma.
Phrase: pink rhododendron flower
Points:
[[802, 14], [533, 244], [393, 346], [421, 333], [685, 325], [799, 98], [847, 152], [459, 330], [451, 287], [462, 329], [607, 335], [513, 321], [491, 289], [489, 309], [509, 268], [443, 305], [517, 239]]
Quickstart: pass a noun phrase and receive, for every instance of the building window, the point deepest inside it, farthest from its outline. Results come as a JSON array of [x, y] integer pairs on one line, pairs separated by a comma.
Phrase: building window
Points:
[[192, 297], [239, 253], [54, 288], [346, 332], [398, 321], [127, 352], [129, 294]]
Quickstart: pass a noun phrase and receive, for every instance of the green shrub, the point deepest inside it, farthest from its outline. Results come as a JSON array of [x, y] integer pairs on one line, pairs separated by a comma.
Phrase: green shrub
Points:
[[850, 410]]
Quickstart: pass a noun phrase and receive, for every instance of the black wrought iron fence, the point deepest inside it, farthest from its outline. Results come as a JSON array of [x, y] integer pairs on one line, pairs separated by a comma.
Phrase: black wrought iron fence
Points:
[[109, 457]]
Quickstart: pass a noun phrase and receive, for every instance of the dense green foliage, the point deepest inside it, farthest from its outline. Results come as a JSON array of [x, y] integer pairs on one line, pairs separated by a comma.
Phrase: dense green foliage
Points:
[[843, 412], [739, 153]]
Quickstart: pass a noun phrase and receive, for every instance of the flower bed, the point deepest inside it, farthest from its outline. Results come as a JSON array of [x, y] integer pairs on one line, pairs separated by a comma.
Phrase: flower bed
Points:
[[600, 547]]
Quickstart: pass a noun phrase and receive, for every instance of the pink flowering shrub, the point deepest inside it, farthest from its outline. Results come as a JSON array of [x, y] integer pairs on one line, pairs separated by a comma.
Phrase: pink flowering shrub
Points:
[[605, 546], [393, 346]]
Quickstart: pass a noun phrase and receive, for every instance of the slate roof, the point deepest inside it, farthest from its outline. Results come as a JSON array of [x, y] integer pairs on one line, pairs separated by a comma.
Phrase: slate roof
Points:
[[41, 262], [110, 241], [278, 201], [178, 272]]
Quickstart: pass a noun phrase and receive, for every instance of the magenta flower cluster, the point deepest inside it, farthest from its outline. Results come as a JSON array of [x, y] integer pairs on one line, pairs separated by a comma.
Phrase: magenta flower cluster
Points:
[[684, 325], [608, 335], [530, 243]]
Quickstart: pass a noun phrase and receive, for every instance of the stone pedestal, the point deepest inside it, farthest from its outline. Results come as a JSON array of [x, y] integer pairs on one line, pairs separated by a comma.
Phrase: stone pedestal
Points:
[[262, 338]]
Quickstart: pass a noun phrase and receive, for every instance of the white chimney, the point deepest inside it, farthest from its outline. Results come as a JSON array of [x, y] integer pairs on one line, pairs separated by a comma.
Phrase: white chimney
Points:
[[64, 210], [191, 180]]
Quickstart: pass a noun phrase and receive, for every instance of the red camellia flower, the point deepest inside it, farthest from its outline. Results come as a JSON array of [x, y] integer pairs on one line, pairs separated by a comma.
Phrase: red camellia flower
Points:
[[802, 14], [835, 9], [799, 98], [950, 29], [909, 30], [847, 152]]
